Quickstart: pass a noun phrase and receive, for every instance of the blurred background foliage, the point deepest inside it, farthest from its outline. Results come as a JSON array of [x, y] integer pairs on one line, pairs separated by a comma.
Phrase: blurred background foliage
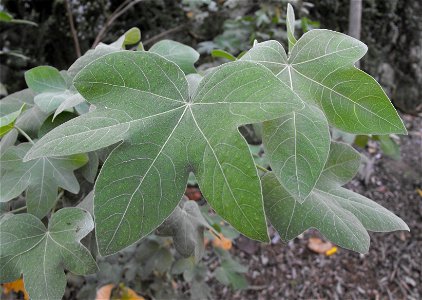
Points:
[[392, 30]]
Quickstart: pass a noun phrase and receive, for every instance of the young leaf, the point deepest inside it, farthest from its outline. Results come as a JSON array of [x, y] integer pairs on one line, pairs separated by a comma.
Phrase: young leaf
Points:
[[340, 215], [222, 54], [40, 254], [145, 177], [49, 85], [297, 146], [320, 70], [182, 55], [7, 122], [31, 118], [290, 22], [41, 178], [186, 225], [70, 102], [388, 146]]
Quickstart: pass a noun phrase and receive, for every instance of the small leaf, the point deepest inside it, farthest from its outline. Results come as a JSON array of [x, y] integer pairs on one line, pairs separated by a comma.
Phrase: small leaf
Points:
[[182, 55], [5, 17], [340, 215], [45, 79], [31, 117], [222, 54], [132, 36], [50, 86], [68, 103], [7, 122], [40, 254], [290, 22], [186, 225], [389, 147], [40, 178]]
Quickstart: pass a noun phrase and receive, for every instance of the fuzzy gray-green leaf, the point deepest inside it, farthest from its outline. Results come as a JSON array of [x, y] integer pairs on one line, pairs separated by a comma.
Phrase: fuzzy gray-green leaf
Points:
[[340, 215], [320, 70], [40, 178], [143, 99], [40, 254]]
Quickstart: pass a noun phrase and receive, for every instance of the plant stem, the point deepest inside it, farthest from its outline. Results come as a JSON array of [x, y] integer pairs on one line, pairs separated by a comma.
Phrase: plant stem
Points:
[[73, 29], [18, 209], [261, 168], [25, 135], [124, 7]]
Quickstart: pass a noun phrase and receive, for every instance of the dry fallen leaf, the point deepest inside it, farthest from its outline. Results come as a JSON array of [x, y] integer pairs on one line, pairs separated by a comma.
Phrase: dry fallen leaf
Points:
[[104, 293], [124, 293], [129, 294], [15, 286], [319, 246], [419, 191], [222, 242]]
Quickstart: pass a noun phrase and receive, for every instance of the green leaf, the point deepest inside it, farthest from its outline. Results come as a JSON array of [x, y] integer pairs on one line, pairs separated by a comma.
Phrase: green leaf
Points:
[[69, 103], [51, 122], [132, 36], [222, 54], [41, 254], [50, 86], [182, 55], [186, 225], [90, 170], [90, 56], [144, 178], [7, 122], [5, 17], [8, 140], [290, 22], [340, 215], [31, 118], [297, 147], [320, 70], [41, 178], [389, 146]]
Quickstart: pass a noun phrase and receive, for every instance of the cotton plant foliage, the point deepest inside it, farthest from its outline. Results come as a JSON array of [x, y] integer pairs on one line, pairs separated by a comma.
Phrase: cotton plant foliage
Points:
[[158, 121]]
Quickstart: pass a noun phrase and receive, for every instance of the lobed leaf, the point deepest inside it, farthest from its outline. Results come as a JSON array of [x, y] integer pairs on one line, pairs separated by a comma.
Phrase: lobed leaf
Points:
[[40, 178], [143, 179], [340, 215], [41, 254], [297, 146], [320, 70]]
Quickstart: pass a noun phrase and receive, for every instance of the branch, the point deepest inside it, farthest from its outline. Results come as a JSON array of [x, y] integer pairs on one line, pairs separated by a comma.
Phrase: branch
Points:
[[72, 29], [163, 34], [124, 7]]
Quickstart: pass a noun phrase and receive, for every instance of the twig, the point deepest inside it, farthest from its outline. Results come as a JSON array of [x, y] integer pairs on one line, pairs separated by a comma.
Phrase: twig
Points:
[[72, 29], [124, 7], [25, 135], [163, 34], [18, 209]]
